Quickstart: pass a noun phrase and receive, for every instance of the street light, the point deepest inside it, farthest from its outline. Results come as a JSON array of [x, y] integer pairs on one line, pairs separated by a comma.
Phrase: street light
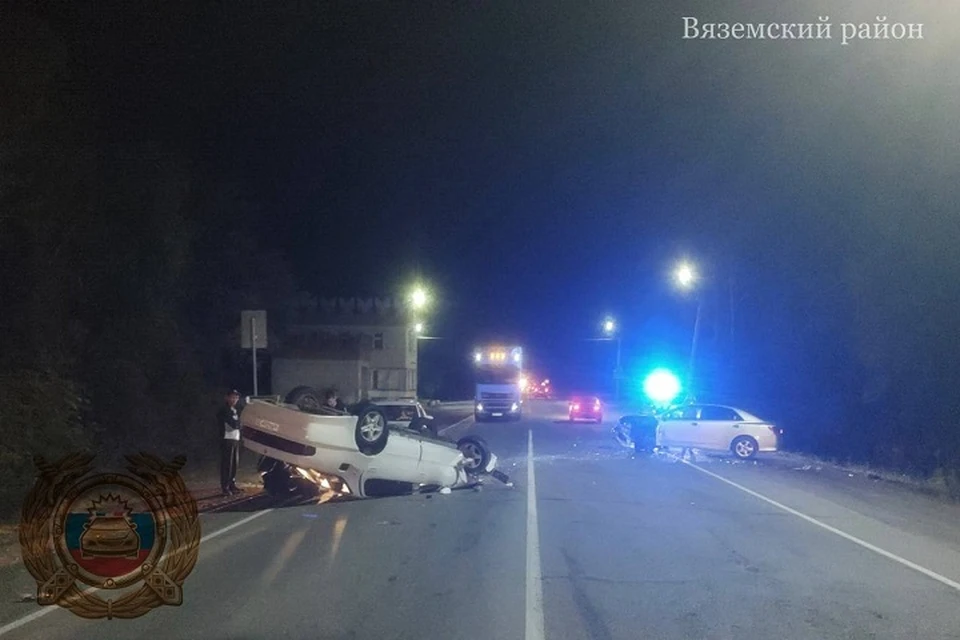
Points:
[[418, 328], [610, 328], [686, 277], [419, 298]]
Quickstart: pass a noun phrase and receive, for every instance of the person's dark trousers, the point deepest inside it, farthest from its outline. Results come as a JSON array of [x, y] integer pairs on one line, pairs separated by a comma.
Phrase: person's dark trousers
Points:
[[229, 460]]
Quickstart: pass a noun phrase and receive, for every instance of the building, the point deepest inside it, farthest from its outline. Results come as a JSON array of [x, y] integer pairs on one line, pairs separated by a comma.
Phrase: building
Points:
[[364, 347]]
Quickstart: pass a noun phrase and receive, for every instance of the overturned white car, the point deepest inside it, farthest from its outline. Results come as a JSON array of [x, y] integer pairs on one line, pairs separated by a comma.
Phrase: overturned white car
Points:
[[357, 452]]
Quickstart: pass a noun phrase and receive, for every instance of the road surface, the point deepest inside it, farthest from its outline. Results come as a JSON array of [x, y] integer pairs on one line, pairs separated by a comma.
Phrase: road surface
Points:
[[600, 545]]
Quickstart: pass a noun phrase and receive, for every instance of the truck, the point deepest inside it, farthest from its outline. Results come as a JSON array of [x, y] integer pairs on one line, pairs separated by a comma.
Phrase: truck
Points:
[[498, 383]]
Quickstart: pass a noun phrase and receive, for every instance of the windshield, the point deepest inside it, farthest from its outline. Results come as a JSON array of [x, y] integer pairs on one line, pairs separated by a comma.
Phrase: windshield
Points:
[[496, 375]]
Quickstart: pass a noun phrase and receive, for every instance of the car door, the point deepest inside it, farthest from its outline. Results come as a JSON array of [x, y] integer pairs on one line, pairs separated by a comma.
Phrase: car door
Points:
[[677, 428], [399, 460], [716, 427]]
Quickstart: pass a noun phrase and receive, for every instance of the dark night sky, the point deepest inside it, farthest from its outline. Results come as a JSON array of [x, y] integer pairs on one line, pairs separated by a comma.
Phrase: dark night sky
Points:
[[544, 163]]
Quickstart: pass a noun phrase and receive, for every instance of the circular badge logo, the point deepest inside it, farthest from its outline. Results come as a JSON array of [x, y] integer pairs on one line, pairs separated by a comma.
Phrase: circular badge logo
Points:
[[109, 530]]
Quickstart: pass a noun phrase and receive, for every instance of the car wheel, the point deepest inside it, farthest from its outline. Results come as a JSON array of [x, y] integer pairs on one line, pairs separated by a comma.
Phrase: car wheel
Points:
[[744, 447], [371, 432], [475, 452], [306, 398], [599, 419]]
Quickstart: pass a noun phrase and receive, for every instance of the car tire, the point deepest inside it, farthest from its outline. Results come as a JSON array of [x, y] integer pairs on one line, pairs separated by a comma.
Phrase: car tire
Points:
[[476, 452], [306, 398], [599, 419], [744, 447], [371, 432]]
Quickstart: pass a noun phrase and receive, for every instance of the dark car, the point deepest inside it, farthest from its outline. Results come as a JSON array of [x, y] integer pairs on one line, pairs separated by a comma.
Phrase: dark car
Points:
[[586, 408]]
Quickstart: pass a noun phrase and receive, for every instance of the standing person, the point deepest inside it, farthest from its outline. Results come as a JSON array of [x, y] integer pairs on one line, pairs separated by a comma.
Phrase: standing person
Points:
[[229, 420]]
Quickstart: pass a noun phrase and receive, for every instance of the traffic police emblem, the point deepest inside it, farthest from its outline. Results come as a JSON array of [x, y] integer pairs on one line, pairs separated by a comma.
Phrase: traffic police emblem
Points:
[[84, 534]]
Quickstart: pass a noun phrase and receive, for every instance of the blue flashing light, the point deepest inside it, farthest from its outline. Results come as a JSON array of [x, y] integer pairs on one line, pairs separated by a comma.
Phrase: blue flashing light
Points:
[[661, 386]]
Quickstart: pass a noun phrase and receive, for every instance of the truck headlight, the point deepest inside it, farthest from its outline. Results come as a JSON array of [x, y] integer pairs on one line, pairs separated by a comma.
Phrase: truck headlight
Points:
[[514, 407], [479, 407]]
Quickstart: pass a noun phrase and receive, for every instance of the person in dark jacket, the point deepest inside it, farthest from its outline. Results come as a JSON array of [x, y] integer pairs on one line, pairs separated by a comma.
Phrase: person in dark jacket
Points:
[[332, 400], [228, 419]]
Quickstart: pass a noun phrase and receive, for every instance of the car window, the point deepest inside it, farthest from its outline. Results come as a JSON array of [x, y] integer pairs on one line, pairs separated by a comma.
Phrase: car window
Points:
[[719, 413], [399, 413], [690, 413], [681, 414]]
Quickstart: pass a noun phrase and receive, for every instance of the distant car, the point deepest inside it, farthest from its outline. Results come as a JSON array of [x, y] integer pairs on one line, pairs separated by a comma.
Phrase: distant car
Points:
[[355, 453], [711, 427], [585, 408], [407, 413]]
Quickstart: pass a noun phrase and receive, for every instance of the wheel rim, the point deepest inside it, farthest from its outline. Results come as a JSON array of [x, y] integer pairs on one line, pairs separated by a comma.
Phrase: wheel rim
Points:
[[744, 448], [309, 402], [371, 427], [472, 454]]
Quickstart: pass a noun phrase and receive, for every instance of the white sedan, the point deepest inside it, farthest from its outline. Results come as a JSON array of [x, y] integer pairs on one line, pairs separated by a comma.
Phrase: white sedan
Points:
[[715, 427], [355, 454], [711, 427]]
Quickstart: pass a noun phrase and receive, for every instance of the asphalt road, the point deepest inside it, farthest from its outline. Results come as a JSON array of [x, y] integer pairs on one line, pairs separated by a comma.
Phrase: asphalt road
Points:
[[601, 545]]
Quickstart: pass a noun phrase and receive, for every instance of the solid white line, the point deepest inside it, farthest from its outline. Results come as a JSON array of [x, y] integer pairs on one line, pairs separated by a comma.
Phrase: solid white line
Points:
[[455, 424], [534, 611], [843, 534], [16, 624]]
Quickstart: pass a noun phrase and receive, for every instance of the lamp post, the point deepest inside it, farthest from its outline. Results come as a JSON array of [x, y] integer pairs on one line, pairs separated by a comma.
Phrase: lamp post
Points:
[[686, 277], [610, 329], [419, 299]]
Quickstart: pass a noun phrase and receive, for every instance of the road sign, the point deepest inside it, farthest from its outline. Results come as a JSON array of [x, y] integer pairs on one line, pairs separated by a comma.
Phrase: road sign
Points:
[[253, 329]]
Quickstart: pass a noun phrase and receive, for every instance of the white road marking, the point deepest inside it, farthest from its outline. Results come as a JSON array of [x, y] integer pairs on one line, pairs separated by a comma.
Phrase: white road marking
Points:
[[16, 624], [843, 534], [534, 611], [455, 424]]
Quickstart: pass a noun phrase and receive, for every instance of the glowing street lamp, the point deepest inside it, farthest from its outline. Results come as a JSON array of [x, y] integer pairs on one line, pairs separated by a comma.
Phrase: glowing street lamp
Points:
[[610, 329], [419, 298], [418, 328], [686, 275]]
